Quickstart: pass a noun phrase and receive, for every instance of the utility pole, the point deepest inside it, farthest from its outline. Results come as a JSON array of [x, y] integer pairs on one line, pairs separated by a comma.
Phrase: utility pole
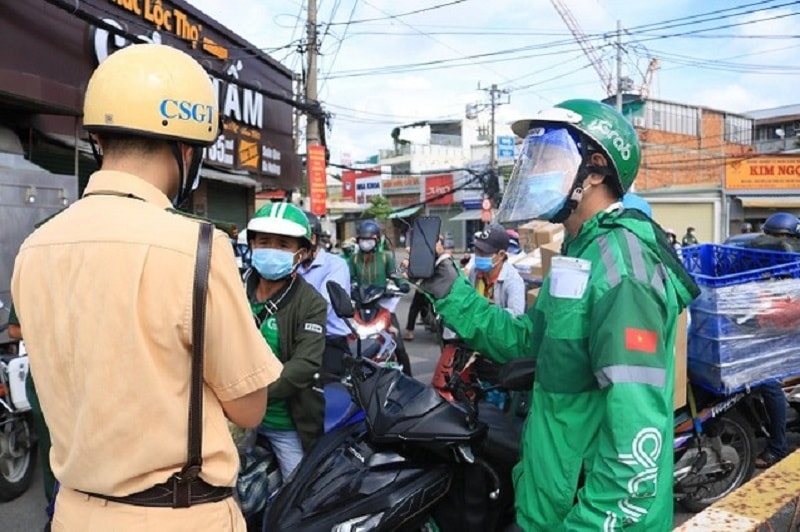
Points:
[[312, 123], [619, 66], [494, 102]]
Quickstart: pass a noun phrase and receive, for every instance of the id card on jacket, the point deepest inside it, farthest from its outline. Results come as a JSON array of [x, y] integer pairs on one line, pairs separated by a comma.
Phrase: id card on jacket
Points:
[[569, 277]]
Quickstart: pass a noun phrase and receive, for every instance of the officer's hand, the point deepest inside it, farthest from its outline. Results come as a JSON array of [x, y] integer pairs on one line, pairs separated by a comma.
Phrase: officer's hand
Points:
[[444, 276]]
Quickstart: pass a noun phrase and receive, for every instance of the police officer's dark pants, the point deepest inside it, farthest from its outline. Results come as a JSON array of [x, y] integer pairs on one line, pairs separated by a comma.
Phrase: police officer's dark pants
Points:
[[43, 438]]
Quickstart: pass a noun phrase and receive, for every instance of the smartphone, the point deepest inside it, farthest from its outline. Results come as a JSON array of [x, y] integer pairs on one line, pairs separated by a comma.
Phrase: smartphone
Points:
[[422, 257]]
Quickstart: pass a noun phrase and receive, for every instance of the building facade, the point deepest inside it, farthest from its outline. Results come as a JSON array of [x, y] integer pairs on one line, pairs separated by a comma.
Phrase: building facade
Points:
[[49, 48], [686, 145]]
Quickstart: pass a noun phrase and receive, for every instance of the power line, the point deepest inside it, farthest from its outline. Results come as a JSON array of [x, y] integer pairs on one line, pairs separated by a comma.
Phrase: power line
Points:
[[339, 46], [395, 17]]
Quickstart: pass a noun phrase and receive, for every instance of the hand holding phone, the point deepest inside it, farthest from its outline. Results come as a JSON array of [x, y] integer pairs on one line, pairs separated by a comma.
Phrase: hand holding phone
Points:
[[425, 246]]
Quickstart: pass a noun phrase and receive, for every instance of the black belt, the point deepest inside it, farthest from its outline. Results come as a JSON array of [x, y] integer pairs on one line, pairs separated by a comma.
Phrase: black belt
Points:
[[173, 493]]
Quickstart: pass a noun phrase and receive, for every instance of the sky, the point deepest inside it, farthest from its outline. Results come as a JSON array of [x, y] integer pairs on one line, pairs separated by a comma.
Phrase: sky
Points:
[[381, 67]]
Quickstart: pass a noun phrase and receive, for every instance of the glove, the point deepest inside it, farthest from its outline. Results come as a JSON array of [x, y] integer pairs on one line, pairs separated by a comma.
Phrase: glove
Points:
[[444, 276], [404, 288]]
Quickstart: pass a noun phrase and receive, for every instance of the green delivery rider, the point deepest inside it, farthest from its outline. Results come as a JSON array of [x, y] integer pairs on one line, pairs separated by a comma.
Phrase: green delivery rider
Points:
[[597, 446]]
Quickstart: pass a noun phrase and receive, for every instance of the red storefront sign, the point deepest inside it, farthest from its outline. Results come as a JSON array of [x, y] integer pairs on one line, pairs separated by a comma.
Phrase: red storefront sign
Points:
[[317, 183], [438, 189], [349, 178]]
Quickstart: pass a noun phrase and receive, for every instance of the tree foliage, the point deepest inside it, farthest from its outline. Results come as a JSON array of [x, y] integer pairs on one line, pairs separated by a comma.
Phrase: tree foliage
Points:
[[378, 209]]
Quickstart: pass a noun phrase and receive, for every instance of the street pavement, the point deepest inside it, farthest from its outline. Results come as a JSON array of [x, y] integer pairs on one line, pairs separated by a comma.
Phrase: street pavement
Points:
[[27, 513]]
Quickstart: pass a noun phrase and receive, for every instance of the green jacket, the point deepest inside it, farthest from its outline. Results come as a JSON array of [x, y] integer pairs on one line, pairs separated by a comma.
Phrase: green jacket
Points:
[[373, 268], [603, 397], [301, 316]]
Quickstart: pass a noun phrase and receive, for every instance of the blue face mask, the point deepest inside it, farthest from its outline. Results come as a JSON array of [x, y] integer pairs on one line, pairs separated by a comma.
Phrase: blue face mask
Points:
[[272, 264], [483, 264]]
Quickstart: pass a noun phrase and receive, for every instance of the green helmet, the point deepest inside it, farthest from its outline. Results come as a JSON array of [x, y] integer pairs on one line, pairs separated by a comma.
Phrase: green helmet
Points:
[[604, 125], [281, 219]]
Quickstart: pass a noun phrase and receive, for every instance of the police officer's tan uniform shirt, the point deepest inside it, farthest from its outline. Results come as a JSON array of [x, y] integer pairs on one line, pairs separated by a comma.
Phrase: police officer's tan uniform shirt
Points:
[[104, 295]]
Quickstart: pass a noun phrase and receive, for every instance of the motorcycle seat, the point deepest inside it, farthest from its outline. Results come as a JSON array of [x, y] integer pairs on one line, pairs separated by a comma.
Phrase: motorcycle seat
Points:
[[503, 438], [369, 347]]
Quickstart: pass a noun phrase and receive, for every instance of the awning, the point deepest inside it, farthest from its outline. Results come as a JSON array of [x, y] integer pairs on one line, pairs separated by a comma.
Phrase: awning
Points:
[[770, 202], [243, 180], [334, 217], [472, 214], [405, 213]]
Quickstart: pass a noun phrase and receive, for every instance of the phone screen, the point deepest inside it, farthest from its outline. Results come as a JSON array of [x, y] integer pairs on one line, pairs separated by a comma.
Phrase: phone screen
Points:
[[424, 235]]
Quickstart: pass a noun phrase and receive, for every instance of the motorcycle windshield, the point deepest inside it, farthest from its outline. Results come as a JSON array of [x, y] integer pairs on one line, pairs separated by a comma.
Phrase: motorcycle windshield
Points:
[[400, 408]]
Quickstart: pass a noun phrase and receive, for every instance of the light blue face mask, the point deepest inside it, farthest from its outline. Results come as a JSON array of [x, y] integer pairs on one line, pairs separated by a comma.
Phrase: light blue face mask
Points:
[[544, 194], [483, 264], [272, 264]]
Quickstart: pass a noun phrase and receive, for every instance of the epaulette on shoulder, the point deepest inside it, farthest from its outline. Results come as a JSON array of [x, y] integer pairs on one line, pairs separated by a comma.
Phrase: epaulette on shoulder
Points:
[[226, 227], [44, 221]]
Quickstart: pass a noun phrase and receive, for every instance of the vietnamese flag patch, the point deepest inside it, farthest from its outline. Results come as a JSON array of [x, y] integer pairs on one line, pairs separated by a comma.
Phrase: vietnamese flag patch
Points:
[[641, 340]]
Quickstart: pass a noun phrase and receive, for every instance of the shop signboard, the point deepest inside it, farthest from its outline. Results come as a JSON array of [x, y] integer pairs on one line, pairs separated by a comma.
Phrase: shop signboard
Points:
[[438, 189], [763, 173], [401, 185], [351, 177], [367, 187], [258, 131]]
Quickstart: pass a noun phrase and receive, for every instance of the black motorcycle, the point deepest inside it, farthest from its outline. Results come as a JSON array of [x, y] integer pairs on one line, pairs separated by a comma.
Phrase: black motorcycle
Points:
[[417, 462]]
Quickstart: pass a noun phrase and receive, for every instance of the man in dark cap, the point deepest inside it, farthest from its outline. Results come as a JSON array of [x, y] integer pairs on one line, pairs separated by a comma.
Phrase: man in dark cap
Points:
[[493, 276]]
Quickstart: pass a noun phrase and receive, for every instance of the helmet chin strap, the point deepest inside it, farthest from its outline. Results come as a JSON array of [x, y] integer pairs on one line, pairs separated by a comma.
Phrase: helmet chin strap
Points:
[[577, 189], [187, 178]]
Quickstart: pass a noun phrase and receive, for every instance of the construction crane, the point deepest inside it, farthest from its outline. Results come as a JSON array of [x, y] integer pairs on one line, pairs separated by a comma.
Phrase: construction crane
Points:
[[606, 78], [644, 89]]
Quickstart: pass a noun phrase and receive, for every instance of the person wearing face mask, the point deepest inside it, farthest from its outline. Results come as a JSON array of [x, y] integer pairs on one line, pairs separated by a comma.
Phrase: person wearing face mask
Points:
[[118, 318], [291, 316], [317, 269], [597, 446], [492, 275], [372, 265]]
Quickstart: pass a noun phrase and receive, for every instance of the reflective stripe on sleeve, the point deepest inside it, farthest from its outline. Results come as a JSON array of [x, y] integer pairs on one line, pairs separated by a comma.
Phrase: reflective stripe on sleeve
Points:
[[659, 280], [634, 374], [637, 257], [612, 273]]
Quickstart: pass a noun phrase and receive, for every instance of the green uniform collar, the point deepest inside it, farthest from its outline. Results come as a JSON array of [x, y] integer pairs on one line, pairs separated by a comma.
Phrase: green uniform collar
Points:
[[649, 233]]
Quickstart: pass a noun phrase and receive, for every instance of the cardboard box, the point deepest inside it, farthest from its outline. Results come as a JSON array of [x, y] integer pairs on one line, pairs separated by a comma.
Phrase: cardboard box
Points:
[[530, 297], [527, 234], [548, 251], [681, 380], [530, 265], [549, 233]]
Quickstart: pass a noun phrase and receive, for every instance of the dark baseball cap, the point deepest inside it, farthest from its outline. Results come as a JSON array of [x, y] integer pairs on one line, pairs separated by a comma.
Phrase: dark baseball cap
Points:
[[492, 239]]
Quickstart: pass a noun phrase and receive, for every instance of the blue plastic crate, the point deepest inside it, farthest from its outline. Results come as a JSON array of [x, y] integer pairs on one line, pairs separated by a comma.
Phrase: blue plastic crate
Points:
[[709, 324], [727, 378], [734, 351], [715, 265]]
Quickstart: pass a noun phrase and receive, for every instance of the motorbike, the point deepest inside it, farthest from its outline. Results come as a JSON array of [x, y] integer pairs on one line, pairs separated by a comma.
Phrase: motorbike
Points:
[[416, 462], [17, 437], [715, 449], [372, 326]]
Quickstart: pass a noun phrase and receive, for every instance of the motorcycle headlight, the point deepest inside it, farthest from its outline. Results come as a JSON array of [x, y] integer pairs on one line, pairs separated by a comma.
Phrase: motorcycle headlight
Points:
[[362, 523]]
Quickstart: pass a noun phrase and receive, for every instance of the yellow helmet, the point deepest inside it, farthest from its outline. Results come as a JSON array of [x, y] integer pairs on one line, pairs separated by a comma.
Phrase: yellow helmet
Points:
[[152, 90]]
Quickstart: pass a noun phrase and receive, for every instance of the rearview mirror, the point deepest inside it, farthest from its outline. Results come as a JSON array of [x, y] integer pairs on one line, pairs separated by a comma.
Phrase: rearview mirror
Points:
[[340, 300]]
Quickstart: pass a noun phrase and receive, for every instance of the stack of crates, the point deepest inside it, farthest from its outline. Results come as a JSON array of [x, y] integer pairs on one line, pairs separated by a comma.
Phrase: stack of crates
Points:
[[737, 337]]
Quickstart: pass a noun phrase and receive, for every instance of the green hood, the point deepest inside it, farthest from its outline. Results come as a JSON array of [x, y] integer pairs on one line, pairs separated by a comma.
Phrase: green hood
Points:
[[650, 234]]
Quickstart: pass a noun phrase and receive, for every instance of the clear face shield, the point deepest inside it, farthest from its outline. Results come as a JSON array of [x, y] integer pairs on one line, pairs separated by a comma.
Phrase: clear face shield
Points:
[[542, 177]]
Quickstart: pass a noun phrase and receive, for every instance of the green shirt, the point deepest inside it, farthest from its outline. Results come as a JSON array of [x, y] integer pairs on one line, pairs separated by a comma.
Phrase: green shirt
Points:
[[277, 416]]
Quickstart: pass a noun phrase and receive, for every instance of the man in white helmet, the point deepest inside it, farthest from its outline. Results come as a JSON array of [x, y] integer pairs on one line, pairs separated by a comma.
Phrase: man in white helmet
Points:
[[104, 292]]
